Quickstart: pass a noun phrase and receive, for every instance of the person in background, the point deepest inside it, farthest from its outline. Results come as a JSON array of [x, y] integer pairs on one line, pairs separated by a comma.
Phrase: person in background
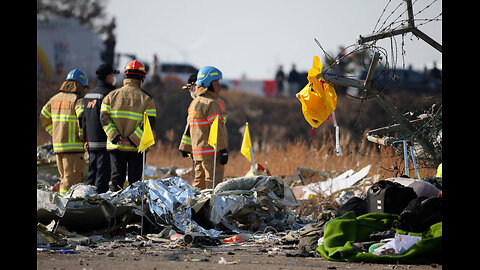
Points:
[[279, 79], [185, 146], [293, 82]]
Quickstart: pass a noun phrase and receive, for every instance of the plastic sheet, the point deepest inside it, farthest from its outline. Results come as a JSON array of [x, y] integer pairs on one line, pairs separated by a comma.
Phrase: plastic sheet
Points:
[[398, 245], [330, 186]]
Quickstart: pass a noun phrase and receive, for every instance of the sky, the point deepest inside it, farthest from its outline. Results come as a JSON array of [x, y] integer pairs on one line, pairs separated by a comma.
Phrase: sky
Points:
[[252, 38]]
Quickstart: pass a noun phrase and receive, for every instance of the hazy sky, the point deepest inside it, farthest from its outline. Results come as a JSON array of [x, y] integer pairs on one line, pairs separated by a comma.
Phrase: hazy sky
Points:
[[253, 37]]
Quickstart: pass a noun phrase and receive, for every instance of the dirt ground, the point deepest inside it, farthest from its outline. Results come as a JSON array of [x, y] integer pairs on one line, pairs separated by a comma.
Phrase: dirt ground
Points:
[[245, 255]]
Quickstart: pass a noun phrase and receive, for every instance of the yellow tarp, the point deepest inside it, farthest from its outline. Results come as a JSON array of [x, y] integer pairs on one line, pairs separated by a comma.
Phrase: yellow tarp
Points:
[[318, 97]]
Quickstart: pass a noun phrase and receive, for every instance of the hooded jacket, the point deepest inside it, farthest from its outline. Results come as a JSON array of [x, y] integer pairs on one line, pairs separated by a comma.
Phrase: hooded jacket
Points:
[[201, 113], [122, 111], [93, 130], [60, 118]]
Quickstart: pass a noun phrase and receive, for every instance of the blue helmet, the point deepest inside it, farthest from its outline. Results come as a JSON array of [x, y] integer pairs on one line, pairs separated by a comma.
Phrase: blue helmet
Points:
[[207, 74], [79, 76]]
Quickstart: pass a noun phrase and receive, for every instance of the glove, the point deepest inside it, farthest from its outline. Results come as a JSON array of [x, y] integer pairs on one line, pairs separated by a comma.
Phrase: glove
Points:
[[116, 139], [223, 156], [184, 153]]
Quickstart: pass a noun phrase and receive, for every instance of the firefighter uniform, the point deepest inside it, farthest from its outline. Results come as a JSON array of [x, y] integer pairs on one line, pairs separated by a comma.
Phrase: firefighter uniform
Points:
[[201, 113], [121, 115], [186, 142], [60, 118]]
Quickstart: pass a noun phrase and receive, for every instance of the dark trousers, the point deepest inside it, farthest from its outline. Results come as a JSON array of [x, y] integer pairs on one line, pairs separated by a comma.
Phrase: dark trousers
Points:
[[99, 170], [123, 162]]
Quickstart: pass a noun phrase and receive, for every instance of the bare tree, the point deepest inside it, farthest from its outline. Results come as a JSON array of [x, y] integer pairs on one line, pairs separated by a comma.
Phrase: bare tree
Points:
[[90, 13]]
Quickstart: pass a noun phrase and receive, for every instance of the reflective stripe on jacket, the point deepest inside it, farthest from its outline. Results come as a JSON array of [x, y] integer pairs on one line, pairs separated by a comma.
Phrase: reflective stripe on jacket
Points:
[[186, 141], [201, 113], [60, 118], [121, 113]]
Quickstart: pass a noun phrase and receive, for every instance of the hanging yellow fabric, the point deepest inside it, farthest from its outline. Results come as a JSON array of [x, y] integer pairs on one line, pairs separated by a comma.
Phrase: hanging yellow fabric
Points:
[[318, 97]]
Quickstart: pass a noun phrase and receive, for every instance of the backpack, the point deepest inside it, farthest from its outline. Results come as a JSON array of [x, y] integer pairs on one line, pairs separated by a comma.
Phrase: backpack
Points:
[[388, 197], [355, 204], [420, 214]]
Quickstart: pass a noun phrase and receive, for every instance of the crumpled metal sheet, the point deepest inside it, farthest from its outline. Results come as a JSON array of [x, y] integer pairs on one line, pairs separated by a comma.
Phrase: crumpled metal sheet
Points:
[[50, 206], [45, 154], [81, 190], [262, 199], [81, 209], [169, 200]]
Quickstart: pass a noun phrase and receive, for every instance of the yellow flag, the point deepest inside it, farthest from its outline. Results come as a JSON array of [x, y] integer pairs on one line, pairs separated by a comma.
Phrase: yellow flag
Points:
[[212, 137], [147, 136], [246, 144]]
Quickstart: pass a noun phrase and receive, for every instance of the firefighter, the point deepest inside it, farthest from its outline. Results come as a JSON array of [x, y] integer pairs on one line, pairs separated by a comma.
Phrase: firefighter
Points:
[[96, 145], [186, 143], [60, 117], [201, 113], [121, 115]]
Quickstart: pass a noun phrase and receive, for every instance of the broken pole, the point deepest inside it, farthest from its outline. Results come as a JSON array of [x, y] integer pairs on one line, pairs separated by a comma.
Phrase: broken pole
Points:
[[384, 103], [410, 28]]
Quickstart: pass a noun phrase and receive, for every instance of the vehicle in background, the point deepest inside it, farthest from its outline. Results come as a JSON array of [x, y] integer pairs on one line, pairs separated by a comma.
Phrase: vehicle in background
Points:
[[389, 80], [172, 74]]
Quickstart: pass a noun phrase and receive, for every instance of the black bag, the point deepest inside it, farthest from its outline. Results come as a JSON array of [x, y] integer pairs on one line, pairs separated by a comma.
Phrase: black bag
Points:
[[355, 204], [420, 214], [388, 197]]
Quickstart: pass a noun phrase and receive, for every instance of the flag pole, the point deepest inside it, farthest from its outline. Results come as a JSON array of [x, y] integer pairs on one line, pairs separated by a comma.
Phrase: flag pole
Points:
[[253, 161], [214, 166], [146, 141], [143, 193]]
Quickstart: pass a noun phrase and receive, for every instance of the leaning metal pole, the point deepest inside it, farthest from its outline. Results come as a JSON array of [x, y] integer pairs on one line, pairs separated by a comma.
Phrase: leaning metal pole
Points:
[[384, 103], [409, 28]]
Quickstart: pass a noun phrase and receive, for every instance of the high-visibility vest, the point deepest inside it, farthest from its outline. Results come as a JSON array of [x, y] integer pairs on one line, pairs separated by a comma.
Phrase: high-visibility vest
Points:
[[59, 117], [201, 113], [120, 117], [186, 141]]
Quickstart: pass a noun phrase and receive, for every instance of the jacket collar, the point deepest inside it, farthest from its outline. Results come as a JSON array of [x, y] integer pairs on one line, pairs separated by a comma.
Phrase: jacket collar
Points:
[[132, 82], [203, 91]]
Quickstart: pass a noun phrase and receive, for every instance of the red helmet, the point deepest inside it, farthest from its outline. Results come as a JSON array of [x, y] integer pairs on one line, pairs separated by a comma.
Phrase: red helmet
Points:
[[135, 67]]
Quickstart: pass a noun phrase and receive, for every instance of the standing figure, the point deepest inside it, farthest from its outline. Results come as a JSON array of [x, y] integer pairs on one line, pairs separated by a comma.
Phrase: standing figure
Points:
[[201, 113], [96, 145], [61, 118], [122, 120]]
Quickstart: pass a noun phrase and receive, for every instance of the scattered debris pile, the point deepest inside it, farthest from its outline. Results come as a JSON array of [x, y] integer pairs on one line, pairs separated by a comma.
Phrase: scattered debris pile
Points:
[[252, 210]]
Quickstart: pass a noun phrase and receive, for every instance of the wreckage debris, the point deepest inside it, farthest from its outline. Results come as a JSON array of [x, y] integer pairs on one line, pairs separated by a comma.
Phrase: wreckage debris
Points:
[[245, 211]]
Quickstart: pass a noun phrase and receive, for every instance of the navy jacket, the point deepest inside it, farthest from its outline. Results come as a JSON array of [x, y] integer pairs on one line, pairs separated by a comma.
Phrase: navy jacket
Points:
[[93, 130]]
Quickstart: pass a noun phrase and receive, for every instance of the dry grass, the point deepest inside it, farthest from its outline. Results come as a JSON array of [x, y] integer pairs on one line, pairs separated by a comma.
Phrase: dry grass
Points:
[[279, 132], [284, 159]]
